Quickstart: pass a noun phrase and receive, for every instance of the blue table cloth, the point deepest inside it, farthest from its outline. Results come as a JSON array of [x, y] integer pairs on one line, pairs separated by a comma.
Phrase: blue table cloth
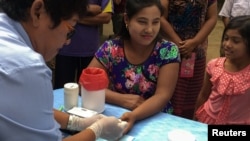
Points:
[[154, 128]]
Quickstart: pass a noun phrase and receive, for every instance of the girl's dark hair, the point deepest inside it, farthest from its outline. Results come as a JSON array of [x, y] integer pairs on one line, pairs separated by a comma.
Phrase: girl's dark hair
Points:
[[58, 10], [242, 24], [132, 7]]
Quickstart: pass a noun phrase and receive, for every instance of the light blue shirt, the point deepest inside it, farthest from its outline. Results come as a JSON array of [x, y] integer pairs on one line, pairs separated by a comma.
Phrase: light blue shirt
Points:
[[26, 93]]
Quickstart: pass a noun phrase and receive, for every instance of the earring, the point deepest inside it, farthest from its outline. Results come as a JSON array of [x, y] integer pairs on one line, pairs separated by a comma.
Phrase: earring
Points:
[[127, 26]]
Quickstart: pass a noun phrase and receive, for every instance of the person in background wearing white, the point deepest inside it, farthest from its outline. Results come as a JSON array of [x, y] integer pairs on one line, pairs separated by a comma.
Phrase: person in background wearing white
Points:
[[31, 33], [233, 8]]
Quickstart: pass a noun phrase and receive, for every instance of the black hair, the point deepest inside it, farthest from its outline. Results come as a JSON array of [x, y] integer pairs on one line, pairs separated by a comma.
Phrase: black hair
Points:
[[58, 10], [242, 24], [132, 7]]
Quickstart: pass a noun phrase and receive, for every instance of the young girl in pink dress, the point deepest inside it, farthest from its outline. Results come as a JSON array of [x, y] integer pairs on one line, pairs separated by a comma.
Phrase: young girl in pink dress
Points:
[[225, 96]]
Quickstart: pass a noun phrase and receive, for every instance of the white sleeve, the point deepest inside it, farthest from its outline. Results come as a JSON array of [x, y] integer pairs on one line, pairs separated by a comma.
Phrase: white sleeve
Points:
[[226, 8]]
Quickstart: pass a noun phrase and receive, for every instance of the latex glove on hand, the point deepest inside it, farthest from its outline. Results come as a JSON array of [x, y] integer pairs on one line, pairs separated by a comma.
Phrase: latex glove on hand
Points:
[[109, 128], [78, 124]]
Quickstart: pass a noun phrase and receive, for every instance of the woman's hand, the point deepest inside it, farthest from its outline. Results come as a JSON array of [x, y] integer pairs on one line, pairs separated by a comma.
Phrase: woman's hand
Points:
[[186, 48], [130, 118], [132, 101]]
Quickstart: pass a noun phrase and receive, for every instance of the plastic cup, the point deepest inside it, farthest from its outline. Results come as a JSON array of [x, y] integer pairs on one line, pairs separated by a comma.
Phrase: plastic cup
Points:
[[71, 92]]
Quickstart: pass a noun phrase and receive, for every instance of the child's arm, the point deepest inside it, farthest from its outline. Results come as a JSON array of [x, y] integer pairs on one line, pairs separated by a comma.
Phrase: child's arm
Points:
[[205, 91]]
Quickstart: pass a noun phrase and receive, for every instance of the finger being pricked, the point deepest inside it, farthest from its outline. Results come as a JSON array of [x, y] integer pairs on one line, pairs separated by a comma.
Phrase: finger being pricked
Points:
[[128, 127], [130, 119]]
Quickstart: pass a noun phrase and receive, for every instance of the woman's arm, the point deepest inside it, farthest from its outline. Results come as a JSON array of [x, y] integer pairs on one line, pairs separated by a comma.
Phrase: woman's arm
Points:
[[208, 26], [167, 79], [103, 17], [186, 47], [166, 26], [128, 101]]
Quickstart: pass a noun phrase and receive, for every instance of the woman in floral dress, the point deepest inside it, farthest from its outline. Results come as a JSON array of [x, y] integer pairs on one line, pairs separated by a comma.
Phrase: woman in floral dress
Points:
[[142, 67]]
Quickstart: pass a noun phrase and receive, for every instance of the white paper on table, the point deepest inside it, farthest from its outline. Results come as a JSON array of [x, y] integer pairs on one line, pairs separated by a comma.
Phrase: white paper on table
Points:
[[124, 138]]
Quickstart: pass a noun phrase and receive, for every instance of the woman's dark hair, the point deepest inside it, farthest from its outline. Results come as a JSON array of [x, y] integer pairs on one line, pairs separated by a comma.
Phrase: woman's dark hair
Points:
[[58, 10], [242, 24], [132, 8]]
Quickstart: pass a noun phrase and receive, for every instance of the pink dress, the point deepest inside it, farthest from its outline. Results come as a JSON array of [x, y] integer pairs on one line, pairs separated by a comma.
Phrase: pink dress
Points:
[[229, 101]]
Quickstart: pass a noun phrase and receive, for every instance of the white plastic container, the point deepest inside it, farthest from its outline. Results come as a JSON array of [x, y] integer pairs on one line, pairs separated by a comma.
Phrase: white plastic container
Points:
[[71, 93], [93, 83], [93, 100]]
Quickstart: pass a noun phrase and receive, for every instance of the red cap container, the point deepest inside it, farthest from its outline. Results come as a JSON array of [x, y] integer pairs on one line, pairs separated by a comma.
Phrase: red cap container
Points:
[[93, 78]]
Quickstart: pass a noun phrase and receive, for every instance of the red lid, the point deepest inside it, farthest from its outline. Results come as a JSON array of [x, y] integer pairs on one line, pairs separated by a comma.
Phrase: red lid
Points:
[[93, 78]]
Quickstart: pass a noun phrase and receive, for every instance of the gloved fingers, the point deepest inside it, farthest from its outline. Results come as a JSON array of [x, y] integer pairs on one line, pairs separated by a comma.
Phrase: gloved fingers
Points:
[[102, 115], [98, 116], [112, 128]]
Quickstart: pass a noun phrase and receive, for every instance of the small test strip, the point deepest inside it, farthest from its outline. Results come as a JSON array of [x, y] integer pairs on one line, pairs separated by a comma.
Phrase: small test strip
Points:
[[82, 112]]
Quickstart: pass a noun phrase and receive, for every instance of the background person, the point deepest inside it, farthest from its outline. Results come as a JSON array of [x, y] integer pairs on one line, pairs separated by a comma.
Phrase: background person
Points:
[[76, 56], [234, 8], [31, 33], [231, 9], [142, 67], [117, 16], [224, 98], [188, 23]]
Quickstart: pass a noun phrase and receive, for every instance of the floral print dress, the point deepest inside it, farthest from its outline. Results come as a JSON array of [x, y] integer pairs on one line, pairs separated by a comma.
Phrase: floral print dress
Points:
[[138, 79]]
